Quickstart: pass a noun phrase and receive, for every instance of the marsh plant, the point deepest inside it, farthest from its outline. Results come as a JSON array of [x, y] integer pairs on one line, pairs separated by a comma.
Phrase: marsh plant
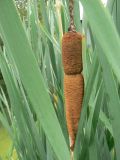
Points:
[[32, 102]]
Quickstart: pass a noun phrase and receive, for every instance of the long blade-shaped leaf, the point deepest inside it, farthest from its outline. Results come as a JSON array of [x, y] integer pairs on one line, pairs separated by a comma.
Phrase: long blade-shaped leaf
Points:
[[15, 38], [114, 102], [105, 31]]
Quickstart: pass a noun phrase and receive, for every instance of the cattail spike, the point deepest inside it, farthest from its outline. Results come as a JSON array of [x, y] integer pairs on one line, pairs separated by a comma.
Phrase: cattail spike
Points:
[[73, 91], [73, 81], [71, 53]]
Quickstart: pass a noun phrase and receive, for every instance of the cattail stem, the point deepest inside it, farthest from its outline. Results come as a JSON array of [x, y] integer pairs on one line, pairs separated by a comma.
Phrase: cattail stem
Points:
[[72, 156], [71, 11]]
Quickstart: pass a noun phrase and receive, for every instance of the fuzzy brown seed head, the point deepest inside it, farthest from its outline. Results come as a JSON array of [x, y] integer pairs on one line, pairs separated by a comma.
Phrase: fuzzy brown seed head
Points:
[[73, 91], [72, 53]]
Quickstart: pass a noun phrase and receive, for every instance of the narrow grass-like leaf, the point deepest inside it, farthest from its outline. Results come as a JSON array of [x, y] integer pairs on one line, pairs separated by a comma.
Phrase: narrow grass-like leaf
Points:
[[106, 34], [113, 100], [32, 81], [88, 90]]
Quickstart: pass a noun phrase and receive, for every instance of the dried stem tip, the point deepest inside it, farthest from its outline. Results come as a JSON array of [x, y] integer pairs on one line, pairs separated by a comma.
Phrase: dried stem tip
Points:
[[72, 53]]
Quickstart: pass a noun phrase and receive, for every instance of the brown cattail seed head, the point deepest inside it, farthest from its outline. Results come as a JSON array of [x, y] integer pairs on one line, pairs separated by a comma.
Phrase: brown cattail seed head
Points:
[[73, 91], [72, 53]]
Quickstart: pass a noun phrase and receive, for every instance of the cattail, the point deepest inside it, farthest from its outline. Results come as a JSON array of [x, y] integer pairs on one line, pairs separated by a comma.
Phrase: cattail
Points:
[[73, 91], [71, 53], [73, 81]]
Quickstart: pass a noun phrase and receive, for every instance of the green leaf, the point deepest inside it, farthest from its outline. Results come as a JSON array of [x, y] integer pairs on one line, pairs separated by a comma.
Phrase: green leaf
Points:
[[15, 38], [113, 99], [105, 32]]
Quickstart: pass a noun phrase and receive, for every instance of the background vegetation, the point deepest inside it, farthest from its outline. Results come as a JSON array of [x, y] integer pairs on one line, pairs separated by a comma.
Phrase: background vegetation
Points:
[[31, 97]]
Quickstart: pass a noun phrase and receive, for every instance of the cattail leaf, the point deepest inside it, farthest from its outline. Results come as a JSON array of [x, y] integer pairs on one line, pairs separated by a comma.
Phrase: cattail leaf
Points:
[[106, 34], [113, 99], [15, 38]]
